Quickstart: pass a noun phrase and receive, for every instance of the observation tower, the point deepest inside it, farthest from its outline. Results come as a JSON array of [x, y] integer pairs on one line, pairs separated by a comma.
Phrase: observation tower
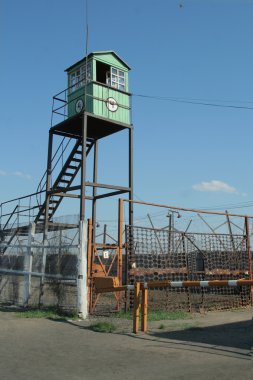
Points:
[[95, 105]]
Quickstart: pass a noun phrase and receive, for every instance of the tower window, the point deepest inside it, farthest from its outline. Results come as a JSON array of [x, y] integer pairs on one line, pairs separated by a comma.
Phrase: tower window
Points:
[[102, 72], [78, 77], [118, 79], [111, 76]]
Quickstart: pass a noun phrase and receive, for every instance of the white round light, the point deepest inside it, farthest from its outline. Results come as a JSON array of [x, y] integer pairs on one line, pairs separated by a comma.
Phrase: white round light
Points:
[[111, 104], [79, 105]]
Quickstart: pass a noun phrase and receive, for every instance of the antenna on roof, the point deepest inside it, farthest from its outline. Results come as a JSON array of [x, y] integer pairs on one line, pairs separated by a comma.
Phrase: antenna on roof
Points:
[[86, 29], [86, 51]]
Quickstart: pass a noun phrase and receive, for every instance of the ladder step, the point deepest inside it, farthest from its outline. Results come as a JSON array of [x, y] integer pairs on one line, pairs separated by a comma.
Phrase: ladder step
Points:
[[71, 167], [64, 181], [42, 217], [76, 159], [69, 174]]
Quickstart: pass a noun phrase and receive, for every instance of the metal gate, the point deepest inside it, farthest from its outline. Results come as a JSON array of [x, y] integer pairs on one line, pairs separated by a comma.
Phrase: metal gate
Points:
[[104, 260]]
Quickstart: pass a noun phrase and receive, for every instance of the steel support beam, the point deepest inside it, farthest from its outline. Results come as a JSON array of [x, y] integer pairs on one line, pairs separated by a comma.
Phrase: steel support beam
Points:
[[105, 186], [111, 194], [94, 191], [48, 183], [130, 183], [91, 184], [83, 168], [65, 134], [65, 195]]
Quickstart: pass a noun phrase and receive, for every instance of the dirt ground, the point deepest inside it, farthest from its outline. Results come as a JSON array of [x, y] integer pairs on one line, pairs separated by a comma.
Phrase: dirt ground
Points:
[[215, 345]]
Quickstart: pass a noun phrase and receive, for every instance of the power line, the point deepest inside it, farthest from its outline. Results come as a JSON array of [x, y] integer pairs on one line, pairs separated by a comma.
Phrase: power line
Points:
[[194, 102], [231, 207], [215, 207]]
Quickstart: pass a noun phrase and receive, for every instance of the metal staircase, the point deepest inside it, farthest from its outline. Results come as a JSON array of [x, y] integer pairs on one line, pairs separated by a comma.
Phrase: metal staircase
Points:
[[64, 180], [12, 227]]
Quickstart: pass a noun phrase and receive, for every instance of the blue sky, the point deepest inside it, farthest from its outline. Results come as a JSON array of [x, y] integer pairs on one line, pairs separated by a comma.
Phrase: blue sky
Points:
[[195, 50]]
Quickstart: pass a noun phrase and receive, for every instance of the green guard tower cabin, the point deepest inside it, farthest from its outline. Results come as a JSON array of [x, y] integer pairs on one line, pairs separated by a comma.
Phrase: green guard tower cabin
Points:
[[98, 84], [95, 105]]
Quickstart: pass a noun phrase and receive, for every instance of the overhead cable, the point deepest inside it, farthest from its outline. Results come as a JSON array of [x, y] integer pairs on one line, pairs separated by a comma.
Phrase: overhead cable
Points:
[[194, 102]]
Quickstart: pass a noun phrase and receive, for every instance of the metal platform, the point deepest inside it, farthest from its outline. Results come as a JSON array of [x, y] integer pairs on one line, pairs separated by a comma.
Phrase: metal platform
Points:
[[97, 127]]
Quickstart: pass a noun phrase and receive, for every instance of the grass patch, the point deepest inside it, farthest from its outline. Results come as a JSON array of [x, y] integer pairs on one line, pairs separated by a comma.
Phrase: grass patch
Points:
[[48, 313], [123, 315], [103, 327], [161, 315], [161, 326], [158, 315]]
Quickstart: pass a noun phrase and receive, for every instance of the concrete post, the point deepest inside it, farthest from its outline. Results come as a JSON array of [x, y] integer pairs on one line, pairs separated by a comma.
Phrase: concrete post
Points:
[[82, 289], [43, 268], [28, 265]]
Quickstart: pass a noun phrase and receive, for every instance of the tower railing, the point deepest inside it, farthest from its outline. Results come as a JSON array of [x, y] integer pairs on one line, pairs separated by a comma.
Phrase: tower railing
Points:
[[62, 103], [16, 214]]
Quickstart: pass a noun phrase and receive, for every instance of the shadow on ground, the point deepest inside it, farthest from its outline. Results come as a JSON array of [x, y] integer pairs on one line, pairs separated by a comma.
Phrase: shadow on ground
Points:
[[234, 335]]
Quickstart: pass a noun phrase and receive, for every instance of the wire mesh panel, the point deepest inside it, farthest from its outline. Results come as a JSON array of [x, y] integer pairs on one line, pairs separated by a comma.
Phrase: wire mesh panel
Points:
[[158, 254], [109, 303], [38, 270]]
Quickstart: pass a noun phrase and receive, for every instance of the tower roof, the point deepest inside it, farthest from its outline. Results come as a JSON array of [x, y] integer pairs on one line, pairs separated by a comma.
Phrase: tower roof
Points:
[[100, 53]]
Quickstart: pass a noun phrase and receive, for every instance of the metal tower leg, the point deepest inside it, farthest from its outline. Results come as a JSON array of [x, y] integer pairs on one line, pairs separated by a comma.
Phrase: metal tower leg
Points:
[[83, 167], [94, 202], [131, 195], [48, 185], [46, 220]]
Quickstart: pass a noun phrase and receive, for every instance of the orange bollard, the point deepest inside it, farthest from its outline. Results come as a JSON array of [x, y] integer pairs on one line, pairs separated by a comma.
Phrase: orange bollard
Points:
[[137, 305], [144, 310]]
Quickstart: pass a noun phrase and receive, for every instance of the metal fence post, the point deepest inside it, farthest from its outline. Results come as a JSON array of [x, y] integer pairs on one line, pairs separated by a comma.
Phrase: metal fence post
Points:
[[249, 253], [120, 239], [82, 289], [28, 265]]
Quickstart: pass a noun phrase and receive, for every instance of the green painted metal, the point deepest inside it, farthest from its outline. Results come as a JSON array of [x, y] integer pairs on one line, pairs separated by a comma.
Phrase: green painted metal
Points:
[[95, 94], [100, 106]]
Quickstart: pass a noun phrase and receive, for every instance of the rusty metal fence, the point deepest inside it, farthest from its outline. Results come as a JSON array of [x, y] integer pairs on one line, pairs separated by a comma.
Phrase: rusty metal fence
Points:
[[166, 243], [179, 244], [158, 255]]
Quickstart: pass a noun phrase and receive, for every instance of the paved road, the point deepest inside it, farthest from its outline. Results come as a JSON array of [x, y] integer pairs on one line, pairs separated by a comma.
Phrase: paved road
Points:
[[215, 346]]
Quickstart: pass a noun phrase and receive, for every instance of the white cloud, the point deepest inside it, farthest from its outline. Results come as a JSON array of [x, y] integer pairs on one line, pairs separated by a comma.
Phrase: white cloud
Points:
[[16, 174], [22, 175], [215, 185]]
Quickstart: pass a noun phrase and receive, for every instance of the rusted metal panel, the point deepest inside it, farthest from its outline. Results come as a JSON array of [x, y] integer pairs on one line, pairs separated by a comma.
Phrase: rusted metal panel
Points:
[[106, 282]]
